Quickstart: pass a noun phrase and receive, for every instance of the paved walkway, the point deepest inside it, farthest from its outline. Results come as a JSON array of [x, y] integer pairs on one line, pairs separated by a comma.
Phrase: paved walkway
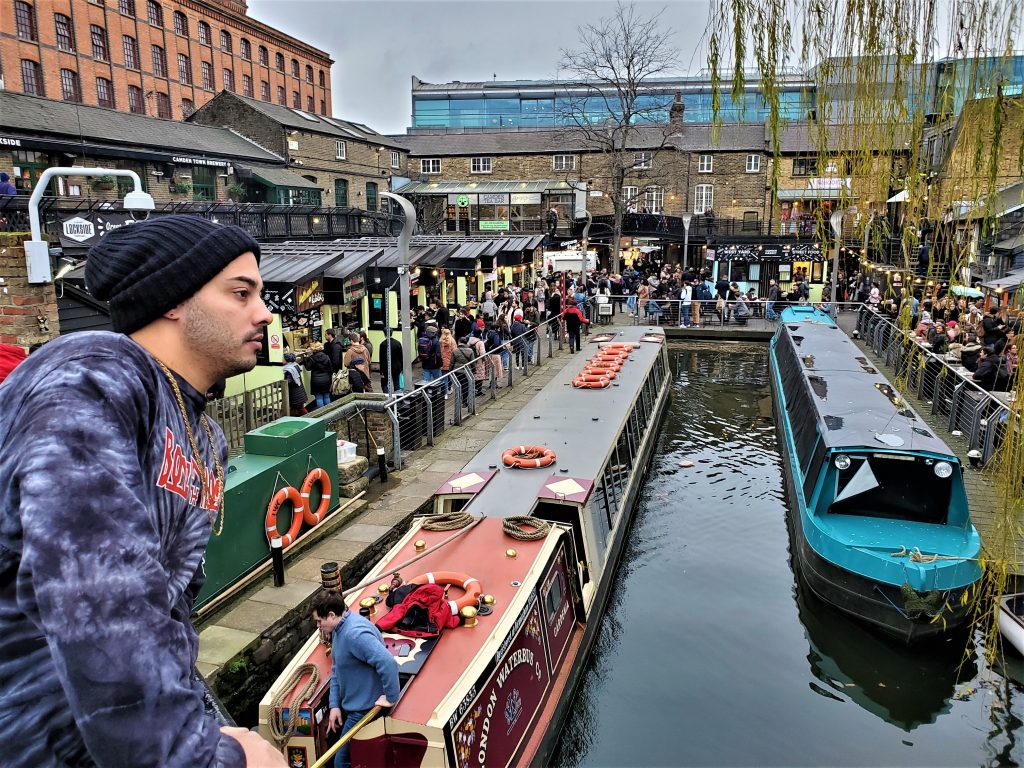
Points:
[[364, 530]]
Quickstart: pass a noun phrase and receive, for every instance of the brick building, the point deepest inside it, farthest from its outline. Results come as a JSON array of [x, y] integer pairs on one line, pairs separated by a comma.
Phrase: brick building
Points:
[[162, 58], [348, 164]]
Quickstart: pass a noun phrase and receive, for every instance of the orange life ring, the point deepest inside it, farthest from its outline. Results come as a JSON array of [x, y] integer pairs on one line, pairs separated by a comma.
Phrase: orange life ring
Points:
[[601, 368], [617, 345], [528, 457], [315, 474], [298, 512], [596, 375], [611, 356], [610, 361], [454, 578], [579, 383]]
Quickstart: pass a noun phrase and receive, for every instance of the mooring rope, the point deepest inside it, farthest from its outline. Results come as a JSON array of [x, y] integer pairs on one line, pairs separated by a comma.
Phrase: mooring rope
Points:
[[278, 729], [450, 521], [513, 526], [917, 556]]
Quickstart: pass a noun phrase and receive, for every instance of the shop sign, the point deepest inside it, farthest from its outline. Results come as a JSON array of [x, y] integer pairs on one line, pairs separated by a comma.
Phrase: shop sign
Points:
[[460, 200], [78, 231], [184, 160], [494, 199], [6, 141], [526, 198], [279, 302], [310, 295], [354, 288], [596, 193], [493, 225]]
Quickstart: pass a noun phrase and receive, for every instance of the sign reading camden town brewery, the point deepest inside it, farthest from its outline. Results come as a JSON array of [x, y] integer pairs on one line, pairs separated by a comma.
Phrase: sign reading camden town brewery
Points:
[[82, 231]]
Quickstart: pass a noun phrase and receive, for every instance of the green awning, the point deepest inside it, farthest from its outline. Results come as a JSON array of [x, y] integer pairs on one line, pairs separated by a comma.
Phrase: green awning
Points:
[[271, 176], [807, 193], [484, 187]]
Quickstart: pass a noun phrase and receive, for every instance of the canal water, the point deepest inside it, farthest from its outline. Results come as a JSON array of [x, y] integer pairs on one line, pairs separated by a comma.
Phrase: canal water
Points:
[[712, 654]]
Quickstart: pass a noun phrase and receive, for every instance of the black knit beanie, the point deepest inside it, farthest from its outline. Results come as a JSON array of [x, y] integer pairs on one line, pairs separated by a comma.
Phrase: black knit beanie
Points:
[[148, 268]]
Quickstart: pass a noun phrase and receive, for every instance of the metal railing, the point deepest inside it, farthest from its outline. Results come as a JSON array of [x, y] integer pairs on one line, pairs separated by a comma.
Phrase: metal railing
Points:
[[941, 385], [239, 414]]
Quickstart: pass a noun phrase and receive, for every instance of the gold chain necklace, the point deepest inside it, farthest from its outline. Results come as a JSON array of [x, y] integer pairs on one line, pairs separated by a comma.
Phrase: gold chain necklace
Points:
[[219, 501]]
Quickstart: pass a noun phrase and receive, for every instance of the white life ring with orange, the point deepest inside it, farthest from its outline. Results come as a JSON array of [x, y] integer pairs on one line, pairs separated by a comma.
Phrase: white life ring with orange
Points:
[[458, 579], [298, 512], [528, 457], [315, 474]]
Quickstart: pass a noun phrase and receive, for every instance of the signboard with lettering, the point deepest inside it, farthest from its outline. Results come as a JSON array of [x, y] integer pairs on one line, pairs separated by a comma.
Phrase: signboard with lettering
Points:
[[82, 231], [494, 198], [354, 288], [493, 225], [490, 727], [184, 160], [7, 141], [279, 302], [556, 600], [310, 295], [526, 198]]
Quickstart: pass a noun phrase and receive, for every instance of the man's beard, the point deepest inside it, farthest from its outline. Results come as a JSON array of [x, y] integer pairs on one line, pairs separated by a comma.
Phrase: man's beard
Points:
[[206, 336]]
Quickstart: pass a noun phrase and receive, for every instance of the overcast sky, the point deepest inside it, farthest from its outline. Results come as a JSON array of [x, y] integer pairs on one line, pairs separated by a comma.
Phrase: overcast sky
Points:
[[378, 45]]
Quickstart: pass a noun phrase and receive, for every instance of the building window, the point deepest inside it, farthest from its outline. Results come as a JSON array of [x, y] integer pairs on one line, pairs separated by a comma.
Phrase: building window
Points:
[[480, 165], [206, 73], [131, 52], [654, 199], [187, 107], [245, 49], [159, 61], [25, 20], [309, 104], [371, 196], [295, 67], [229, 80], [184, 69], [341, 193], [430, 165], [163, 106], [100, 47], [264, 56], [281, 97], [309, 74], [264, 90], [396, 158], [204, 183], [127, 7], [705, 164], [628, 198], [135, 102], [296, 100], [703, 198], [340, 150], [279, 62], [180, 24], [69, 88], [204, 33], [323, 107], [753, 163], [247, 86], [31, 78], [805, 166], [642, 160], [104, 92], [565, 162], [225, 41], [154, 13], [65, 34], [323, 79]]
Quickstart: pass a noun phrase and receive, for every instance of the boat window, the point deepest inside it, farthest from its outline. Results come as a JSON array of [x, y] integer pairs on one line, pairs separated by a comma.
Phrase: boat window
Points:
[[634, 433], [620, 470], [553, 599], [811, 476], [643, 406], [894, 488], [611, 507]]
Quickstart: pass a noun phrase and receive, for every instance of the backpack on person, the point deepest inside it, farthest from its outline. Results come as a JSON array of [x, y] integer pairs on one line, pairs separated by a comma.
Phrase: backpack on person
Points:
[[492, 341], [429, 352]]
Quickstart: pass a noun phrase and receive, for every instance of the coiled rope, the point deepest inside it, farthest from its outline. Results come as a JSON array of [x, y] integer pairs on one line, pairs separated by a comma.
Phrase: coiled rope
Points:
[[450, 521], [917, 556], [513, 526], [278, 729]]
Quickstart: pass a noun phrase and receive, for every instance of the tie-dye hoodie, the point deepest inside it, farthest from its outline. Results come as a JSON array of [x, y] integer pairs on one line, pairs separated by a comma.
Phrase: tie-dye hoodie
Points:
[[102, 537]]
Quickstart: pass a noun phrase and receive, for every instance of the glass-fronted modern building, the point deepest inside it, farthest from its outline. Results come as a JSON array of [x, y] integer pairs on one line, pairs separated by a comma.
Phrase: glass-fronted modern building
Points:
[[515, 104]]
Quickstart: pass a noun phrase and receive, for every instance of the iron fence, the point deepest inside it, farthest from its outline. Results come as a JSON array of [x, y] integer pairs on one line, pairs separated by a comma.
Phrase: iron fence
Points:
[[239, 414]]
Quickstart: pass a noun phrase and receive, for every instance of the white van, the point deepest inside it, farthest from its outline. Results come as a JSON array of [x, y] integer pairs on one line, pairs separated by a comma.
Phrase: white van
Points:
[[568, 261]]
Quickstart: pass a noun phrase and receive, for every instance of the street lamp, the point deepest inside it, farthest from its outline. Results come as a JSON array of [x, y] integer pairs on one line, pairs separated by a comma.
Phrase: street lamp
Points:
[[687, 218], [585, 240], [405, 287], [37, 250], [836, 220]]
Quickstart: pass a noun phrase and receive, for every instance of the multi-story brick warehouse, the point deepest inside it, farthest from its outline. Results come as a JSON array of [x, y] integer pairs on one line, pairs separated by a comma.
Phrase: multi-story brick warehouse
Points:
[[156, 57]]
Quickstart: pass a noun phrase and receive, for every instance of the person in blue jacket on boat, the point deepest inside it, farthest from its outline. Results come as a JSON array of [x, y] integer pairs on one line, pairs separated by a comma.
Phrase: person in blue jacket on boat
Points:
[[364, 674]]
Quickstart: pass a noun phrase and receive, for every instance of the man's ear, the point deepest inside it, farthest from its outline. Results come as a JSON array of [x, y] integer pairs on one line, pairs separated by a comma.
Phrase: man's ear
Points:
[[174, 313]]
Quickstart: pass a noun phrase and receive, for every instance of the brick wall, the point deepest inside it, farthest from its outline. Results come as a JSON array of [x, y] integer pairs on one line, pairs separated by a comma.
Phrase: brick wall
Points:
[[229, 17], [28, 313]]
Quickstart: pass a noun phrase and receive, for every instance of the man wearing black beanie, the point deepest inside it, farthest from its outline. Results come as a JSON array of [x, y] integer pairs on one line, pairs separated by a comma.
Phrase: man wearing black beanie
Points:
[[111, 483]]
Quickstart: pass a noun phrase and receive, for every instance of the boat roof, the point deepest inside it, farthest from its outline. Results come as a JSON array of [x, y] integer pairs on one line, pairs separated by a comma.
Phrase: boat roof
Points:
[[580, 425], [856, 404]]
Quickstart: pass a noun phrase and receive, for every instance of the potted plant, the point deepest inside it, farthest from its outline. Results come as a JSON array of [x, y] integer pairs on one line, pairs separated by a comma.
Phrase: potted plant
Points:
[[102, 182], [236, 192], [183, 185]]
